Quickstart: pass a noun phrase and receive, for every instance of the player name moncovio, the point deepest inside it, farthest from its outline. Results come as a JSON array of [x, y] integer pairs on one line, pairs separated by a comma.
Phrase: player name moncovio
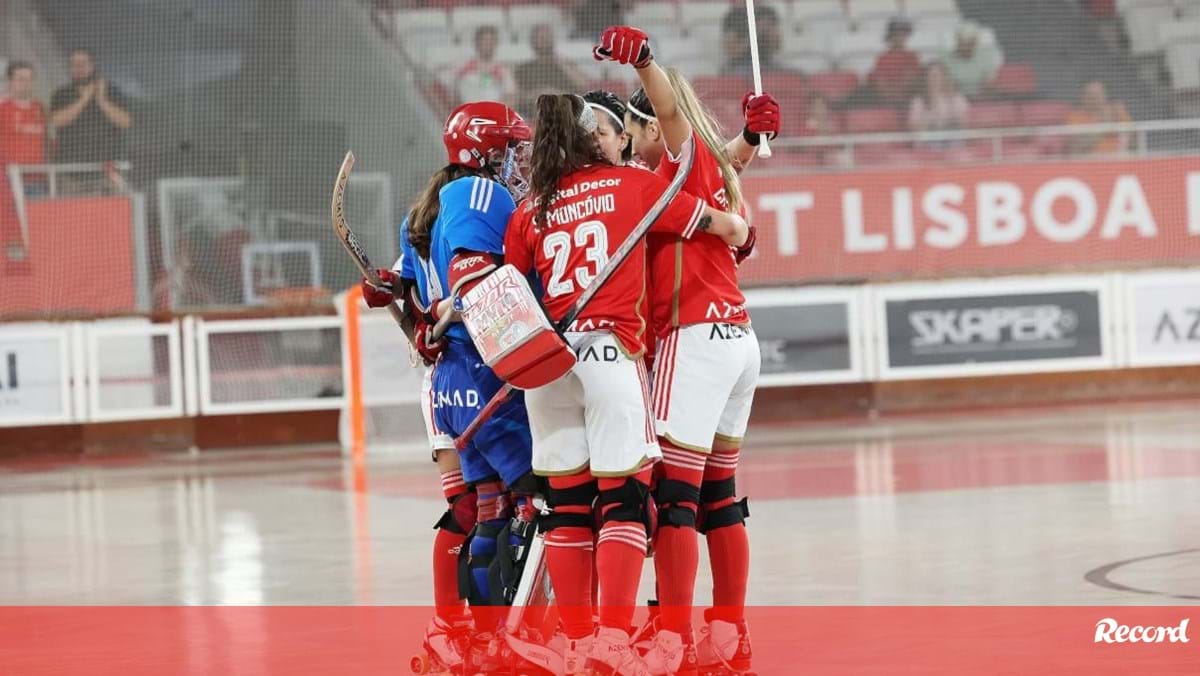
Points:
[[584, 208], [1109, 630], [990, 325]]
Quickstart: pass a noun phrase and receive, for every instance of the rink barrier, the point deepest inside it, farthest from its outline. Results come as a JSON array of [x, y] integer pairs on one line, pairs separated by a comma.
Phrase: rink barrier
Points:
[[134, 369]]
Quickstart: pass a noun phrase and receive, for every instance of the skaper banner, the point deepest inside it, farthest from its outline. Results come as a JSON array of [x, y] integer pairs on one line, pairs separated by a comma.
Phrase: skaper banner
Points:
[[936, 221]]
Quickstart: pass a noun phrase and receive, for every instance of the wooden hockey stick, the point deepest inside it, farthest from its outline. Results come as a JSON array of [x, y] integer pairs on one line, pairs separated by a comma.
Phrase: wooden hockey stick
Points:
[[632, 241], [764, 150], [354, 247]]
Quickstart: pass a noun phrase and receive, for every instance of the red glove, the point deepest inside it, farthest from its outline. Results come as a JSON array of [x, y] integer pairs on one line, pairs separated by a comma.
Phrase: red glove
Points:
[[743, 252], [427, 347], [762, 117], [624, 44], [384, 294]]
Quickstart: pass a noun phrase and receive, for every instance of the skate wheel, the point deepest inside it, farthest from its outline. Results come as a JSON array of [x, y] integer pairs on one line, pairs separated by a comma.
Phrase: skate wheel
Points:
[[419, 664]]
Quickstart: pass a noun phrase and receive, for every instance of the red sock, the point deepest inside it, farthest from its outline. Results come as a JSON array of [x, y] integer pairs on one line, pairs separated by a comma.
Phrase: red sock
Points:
[[728, 547], [446, 545], [676, 548], [620, 552], [569, 559]]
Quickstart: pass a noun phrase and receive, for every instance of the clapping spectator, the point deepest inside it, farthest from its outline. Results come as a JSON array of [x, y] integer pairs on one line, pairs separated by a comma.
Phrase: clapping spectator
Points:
[[735, 41], [546, 73], [970, 65], [22, 126], [90, 114], [1095, 108], [941, 106], [897, 71], [482, 78]]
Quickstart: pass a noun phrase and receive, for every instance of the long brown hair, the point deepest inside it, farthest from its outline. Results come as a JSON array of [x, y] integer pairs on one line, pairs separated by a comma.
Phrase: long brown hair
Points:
[[560, 146], [425, 211], [709, 130]]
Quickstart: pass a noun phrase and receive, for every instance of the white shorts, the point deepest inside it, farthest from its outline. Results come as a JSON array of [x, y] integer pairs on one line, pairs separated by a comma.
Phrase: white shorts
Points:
[[704, 380], [438, 440], [597, 415]]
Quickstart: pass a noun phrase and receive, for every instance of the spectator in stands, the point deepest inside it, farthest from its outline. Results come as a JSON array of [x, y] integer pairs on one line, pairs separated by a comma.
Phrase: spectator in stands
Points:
[[593, 16], [1095, 108], [897, 71], [821, 120], [482, 78], [546, 73], [940, 106], [735, 41], [23, 126], [90, 114], [970, 65]]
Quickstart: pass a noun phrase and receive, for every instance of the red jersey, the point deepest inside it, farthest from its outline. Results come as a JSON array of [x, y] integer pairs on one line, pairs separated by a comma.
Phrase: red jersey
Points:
[[592, 213], [694, 281], [22, 132]]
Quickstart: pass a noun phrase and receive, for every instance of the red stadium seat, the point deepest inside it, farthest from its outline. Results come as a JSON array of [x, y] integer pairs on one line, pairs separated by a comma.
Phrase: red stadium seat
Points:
[[721, 87], [1015, 79], [868, 120], [1044, 113], [993, 115], [834, 86]]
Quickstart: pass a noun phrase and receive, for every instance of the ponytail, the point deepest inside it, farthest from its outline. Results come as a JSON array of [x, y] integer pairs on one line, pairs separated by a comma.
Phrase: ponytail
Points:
[[560, 146], [425, 212], [709, 132]]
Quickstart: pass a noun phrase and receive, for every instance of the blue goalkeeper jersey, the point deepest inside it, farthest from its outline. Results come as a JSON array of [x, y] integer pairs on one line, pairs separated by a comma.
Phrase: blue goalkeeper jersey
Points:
[[472, 216]]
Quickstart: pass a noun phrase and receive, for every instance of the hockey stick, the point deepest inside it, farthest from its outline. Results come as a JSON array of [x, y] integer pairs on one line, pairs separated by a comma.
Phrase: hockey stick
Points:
[[632, 241], [354, 247], [764, 150]]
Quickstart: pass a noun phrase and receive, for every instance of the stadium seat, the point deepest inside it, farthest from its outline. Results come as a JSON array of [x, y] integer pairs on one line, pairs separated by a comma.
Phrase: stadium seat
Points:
[[993, 115], [870, 120], [705, 14], [861, 9], [513, 53], [1014, 79], [414, 20], [656, 18], [1183, 62], [522, 19], [834, 85], [465, 20], [1044, 113], [1142, 22], [808, 62], [729, 87], [921, 9]]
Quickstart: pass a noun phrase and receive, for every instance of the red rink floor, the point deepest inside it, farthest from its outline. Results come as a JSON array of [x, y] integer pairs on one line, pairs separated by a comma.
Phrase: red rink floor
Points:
[[856, 532]]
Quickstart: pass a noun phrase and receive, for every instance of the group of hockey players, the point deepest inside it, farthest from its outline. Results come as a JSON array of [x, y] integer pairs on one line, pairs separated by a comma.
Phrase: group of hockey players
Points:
[[626, 427]]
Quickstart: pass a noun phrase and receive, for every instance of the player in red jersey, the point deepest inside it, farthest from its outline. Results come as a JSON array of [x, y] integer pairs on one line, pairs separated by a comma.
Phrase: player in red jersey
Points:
[[593, 436], [706, 369]]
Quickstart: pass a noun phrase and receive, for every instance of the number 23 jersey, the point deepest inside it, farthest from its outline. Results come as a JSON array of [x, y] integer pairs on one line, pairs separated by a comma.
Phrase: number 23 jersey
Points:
[[590, 215]]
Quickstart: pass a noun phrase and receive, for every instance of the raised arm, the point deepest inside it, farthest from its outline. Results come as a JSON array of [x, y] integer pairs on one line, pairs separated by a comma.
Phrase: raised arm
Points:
[[762, 117], [629, 45]]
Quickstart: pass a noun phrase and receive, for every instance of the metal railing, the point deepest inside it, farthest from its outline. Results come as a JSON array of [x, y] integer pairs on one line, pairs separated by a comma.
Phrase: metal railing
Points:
[[114, 171], [1138, 131]]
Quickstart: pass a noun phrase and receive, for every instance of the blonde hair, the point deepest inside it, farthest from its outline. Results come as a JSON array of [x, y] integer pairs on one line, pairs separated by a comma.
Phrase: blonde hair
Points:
[[709, 131]]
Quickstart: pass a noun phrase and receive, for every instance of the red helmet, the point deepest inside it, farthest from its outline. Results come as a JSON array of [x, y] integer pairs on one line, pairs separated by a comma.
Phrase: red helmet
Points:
[[480, 132]]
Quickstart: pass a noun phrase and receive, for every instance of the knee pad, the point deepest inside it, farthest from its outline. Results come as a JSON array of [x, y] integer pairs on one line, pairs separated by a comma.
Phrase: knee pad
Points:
[[677, 502], [630, 502], [475, 561], [727, 515], [582, 497], [460, 516]]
